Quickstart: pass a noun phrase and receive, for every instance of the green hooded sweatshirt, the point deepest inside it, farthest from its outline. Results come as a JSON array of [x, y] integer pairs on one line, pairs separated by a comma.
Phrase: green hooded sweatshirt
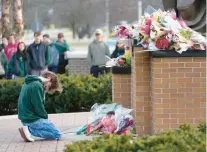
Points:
[[31, 100], [65, 45], [19, 66]]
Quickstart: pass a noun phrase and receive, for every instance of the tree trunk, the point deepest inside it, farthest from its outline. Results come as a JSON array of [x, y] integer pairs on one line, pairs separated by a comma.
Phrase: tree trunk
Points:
[[18, 19], [6, 28], [0, 26]]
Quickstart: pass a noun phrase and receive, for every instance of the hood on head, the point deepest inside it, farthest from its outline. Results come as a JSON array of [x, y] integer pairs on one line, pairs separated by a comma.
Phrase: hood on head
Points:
[[31, 78]]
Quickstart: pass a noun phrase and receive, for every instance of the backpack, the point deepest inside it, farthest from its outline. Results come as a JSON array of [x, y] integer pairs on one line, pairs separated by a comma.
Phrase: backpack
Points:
[[2, 71]]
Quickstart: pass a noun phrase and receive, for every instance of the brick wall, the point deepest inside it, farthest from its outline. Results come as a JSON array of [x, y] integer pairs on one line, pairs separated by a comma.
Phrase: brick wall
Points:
[[141, 91], [121, 89], [178, 91], [78, 66], [165, 92]]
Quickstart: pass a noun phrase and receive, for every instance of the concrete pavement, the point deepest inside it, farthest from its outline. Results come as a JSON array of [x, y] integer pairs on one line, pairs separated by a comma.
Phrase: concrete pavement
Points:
[[11, 141]]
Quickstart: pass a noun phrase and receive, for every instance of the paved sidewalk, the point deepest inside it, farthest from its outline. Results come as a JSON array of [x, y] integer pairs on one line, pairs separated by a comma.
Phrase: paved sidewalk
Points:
[[11, 141]]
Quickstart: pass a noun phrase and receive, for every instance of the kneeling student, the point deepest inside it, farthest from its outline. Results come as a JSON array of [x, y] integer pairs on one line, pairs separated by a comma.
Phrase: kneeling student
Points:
[[31, 110]]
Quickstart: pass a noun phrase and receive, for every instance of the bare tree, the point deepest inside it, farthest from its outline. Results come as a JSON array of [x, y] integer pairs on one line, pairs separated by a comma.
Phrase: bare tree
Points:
[[18, 19], [6, 28], [0, 23], [75, 15], [72, 13]]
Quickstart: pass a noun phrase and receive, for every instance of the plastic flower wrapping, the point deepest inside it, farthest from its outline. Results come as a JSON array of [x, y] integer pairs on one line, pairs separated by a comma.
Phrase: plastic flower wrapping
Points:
[[121, 61], [158, 30], [108, 119]]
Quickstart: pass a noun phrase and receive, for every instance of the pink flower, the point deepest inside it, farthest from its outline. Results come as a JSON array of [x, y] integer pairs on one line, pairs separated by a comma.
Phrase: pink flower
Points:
[[162, 43], [123, 32], [149, 21], [182, 23], [109, 124], [146, 29], [174, 15]]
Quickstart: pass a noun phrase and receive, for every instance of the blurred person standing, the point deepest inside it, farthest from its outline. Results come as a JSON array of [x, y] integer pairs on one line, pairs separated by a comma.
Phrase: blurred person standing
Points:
[[3, 64], [97, 51], [38, 55], [11, 48], [19, 64], [62, 61], [119, 50], [55, 49], [3, 58], [4, 43], [9, 51]]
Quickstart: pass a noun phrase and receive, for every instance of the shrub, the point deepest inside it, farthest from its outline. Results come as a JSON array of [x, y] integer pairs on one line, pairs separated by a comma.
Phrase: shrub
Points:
[[79, 94], [202, 127], [185, 139], [9, 93]]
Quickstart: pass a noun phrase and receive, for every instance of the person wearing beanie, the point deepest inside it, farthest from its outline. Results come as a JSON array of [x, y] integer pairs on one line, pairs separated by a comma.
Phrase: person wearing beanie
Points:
[[97, 51], [31, 109]]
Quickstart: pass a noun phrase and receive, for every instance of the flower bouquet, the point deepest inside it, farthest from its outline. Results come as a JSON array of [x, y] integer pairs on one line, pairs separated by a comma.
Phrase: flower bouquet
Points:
[[108, 119], [123, 64], [158, 30]]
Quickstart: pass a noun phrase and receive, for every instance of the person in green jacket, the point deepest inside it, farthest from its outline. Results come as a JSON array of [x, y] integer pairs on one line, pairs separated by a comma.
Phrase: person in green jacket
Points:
[[19, 65], [31, 109], [55, 50], [62, 61]]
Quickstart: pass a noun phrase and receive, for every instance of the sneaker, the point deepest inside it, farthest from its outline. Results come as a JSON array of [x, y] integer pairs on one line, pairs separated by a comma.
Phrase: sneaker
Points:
[[27, 134], [23, 135]]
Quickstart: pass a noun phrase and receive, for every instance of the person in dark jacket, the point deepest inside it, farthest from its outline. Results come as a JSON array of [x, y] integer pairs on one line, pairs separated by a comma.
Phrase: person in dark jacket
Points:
[[62, 61], [55, 50], [119, 51], [31, 109], [39, 55], [19, 64]]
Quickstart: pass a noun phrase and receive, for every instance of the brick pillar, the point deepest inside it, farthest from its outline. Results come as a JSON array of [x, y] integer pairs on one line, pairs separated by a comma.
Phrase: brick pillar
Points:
[[178, 92], [121, 89], [141, 91]]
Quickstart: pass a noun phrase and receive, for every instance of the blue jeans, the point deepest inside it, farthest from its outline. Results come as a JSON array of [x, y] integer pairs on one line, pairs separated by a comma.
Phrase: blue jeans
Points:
[[43, 128], [95, 71], [8, 75], [53, 68]]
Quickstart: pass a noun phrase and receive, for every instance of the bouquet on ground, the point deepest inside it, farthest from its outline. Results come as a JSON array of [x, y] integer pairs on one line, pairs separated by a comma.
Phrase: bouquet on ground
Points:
[[108, 119]]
